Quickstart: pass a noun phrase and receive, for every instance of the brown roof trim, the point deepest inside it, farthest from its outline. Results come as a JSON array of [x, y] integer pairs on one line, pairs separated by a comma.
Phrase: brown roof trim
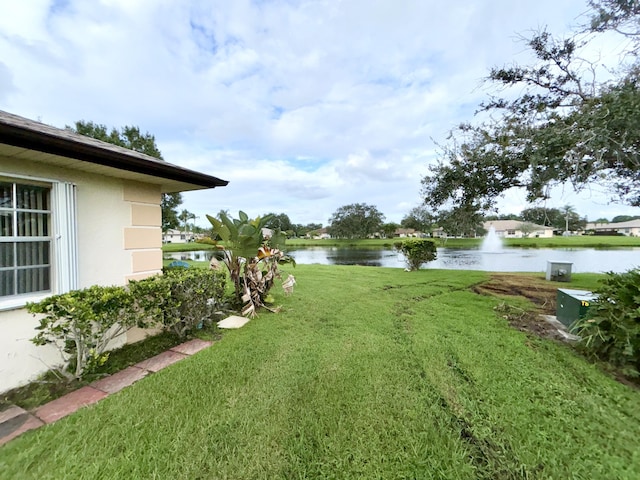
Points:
[[21, 132]]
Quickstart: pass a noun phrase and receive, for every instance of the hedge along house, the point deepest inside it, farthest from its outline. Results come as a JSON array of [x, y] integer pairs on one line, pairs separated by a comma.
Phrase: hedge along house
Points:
[[74, 212]]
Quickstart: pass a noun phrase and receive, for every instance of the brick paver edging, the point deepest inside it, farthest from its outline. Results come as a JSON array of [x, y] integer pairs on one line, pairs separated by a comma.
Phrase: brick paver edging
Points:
[[14, 421]]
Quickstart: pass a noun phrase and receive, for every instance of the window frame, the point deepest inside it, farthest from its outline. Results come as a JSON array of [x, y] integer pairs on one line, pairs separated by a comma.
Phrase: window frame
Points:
[[62, 235]]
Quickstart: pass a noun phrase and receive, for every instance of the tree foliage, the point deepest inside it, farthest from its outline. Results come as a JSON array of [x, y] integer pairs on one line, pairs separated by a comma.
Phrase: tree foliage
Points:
[[417, 251], [357, 220], [611, 330], [169, 205], [559, 219], [461, 222], [623, 16], [279, 221], [564, 127], [419, 218], [388, 229], [624, 218], [130, 137]]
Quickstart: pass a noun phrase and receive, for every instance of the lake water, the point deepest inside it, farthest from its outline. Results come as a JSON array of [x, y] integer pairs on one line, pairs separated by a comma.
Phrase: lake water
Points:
[[507, 260]]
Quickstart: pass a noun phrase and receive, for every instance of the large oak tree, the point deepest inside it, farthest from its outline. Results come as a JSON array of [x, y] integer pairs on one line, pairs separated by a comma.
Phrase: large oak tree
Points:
[[357, 220], [565, 127]]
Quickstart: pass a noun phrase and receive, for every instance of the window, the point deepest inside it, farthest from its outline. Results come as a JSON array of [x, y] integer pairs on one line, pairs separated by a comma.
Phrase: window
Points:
[[38, 239], [25, 239]]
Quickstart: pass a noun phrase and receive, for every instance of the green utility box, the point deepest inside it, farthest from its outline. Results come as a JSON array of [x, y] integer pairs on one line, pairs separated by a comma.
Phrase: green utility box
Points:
[[572, 305]]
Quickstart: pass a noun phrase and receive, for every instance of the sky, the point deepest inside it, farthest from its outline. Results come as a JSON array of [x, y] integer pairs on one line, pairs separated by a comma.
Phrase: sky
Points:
[[304, 106]]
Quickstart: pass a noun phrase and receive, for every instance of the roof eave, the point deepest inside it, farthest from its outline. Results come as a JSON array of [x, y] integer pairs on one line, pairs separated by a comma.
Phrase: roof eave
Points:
[[92, 151]]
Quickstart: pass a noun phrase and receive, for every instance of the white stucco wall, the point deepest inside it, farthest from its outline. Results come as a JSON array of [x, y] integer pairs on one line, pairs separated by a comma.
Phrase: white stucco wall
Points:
[[103, 215]]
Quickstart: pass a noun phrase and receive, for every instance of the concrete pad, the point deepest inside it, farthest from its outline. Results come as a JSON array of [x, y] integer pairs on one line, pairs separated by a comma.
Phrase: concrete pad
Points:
[[157, 363], [17, 425], [192, 346], [63, 406], [562, 329], [116, 382], [234, 321]]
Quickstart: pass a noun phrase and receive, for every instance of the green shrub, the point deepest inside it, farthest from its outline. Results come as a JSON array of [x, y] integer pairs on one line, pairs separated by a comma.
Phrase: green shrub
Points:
[[416, 251], [81, 323], [206, 241], [180, 300], [611, 330]]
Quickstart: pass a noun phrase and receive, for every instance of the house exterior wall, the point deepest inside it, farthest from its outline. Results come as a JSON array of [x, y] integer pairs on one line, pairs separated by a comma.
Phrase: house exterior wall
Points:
[[546, 233], [119, 238], [630, 228]]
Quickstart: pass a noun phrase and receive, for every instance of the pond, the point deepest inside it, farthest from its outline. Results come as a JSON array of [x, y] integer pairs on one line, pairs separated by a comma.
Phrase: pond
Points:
[[504, 260]]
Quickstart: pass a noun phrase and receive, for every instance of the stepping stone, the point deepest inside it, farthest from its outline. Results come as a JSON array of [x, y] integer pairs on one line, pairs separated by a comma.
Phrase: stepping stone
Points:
[[157, 363], [63, 406], [116, 382], [11, 412], [14, 421], [192, 346], [233, 321]]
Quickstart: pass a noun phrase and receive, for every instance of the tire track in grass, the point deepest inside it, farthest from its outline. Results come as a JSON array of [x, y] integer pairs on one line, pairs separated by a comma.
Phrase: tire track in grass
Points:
[[491, 460]]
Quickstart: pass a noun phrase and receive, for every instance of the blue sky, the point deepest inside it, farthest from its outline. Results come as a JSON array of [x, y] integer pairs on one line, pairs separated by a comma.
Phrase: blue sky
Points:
[[304, 106]]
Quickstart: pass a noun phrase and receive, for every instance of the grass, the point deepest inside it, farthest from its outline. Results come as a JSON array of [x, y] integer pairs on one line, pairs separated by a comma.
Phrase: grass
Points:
[[579, 241], [582, 241], [51, 386], [366, 373], [186, 247]]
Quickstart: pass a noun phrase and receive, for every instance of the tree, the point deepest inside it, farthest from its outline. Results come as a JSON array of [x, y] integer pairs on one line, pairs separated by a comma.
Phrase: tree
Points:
[[169, 205], [527, 229], [389, 229], [565, 219], [566, 127], [184, 217], [279, 221], [548, 217], [619, 15], [357, 220], [624, 218], [572, 221], [419, 218], [461, 222], [130, 137], [509, 216]]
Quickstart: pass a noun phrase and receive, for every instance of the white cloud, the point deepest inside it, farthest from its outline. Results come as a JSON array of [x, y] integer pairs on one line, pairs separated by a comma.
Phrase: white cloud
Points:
[[303, 105]]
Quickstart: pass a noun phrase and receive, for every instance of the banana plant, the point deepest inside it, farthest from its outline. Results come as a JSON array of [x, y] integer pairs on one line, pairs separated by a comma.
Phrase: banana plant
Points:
[[252, 259]]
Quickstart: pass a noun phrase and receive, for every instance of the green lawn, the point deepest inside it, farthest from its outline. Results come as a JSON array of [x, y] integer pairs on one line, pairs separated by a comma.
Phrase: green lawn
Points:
[[366, 373], [186, 247], [581, 241]]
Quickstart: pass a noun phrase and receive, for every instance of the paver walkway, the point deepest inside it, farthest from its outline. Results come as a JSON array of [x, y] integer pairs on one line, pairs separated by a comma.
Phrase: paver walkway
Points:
[[14, 421]]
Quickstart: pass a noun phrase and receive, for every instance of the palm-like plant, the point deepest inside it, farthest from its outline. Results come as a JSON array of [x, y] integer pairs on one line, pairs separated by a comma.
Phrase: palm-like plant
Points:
[[251, 258]]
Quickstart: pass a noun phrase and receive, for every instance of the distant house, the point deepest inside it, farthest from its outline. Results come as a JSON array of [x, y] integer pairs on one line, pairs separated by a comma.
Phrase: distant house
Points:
[[74, 212], [518, 229], [438, 233], [321, 234], [177, 236], [407, 233], [630, 228]]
